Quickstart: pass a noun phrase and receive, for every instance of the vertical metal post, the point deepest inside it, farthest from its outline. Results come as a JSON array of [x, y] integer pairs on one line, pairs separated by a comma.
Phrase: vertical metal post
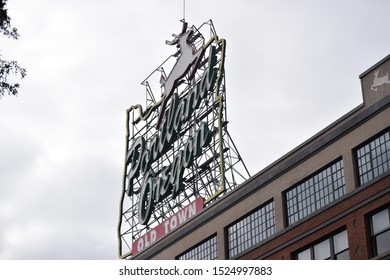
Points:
[[184, 10]]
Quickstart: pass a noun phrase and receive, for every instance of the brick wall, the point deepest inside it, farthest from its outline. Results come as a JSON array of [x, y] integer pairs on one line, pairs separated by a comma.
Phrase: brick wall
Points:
[[349, 213]]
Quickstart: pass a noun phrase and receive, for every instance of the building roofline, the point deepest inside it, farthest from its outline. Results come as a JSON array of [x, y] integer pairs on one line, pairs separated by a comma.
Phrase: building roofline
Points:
[[374, 66], [313, 138], [313, 145]]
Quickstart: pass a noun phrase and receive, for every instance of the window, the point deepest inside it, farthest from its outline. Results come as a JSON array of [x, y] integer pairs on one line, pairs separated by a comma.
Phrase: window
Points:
[[373, 158], [334, 247], [380, 231], [251, 229], [206, 250], [315, 192]]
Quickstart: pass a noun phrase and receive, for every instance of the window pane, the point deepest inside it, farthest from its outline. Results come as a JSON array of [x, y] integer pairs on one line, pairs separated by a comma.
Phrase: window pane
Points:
[[372, 158], [316, 192], [383, 242], [380, 221], [304, 255], [251, 229], [325, 251], [340, 242], [322, 250], [204, 251], [343, 255]]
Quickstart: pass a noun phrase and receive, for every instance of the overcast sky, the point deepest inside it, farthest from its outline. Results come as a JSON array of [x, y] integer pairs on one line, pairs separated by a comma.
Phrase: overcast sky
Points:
[[292, 68]]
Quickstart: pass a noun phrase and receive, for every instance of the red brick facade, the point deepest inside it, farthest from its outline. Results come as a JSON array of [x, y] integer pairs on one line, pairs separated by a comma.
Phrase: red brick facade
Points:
[[350, 213]]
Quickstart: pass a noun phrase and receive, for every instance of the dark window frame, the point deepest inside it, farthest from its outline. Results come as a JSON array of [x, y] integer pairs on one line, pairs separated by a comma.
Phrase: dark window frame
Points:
[[330, 237], [373, 236], [367, 176], [193, 250], [255, 226], [303, 186]]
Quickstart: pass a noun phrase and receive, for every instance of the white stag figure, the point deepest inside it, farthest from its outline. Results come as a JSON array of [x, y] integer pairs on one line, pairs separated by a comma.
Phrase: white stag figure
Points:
[[188, 57], [378, 81]]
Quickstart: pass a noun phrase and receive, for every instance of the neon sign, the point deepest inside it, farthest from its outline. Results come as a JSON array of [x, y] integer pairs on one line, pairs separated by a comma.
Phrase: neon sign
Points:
[[139, 158], [178, 150]]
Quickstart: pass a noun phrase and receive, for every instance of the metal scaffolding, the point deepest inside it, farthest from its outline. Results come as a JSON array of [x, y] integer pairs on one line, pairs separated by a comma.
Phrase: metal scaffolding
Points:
[[217, 171]]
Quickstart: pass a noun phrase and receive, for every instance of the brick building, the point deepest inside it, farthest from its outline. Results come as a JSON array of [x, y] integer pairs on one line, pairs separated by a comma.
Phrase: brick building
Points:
[[329, 198]]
